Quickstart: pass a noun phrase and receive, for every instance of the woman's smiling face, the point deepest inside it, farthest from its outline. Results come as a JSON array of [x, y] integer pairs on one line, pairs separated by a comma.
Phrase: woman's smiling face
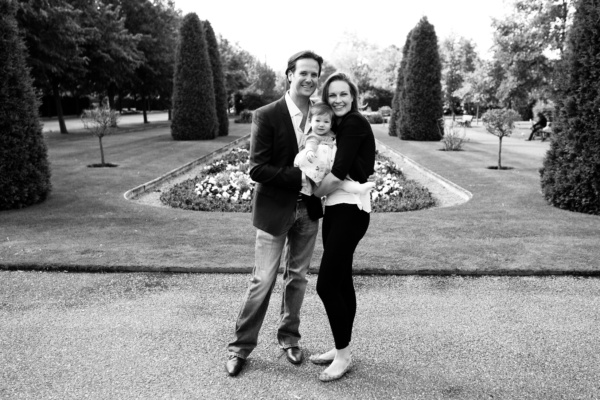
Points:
[[340, 98]]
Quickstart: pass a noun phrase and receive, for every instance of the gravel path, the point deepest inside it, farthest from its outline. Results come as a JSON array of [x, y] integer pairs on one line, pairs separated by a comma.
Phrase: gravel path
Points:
[[150, 336]]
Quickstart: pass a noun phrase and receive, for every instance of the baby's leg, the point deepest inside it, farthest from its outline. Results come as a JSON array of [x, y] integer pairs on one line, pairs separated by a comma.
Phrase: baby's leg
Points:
[[357, 188]]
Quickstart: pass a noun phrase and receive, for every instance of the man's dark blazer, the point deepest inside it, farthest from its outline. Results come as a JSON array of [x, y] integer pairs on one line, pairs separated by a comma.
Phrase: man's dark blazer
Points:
[[273, 147]]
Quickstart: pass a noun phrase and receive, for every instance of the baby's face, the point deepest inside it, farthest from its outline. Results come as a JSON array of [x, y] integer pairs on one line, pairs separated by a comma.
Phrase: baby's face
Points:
[[320, 124]]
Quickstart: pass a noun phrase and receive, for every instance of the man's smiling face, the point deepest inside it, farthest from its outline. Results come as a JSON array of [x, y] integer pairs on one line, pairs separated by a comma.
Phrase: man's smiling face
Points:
[[305, 77]]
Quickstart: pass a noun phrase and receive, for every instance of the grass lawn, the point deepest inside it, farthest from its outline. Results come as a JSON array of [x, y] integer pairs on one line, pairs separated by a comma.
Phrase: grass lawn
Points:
[[86, 223]]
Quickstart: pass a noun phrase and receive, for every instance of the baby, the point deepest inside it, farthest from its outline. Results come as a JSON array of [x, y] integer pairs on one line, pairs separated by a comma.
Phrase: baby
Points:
[[317, 152]]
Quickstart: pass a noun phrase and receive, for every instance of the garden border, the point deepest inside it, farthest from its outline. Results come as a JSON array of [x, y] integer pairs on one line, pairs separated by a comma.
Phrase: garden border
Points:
[[136, 192], [446, 193]]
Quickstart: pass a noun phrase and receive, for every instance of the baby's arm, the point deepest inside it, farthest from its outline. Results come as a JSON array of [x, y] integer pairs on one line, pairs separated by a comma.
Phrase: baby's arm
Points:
[[312, 142]]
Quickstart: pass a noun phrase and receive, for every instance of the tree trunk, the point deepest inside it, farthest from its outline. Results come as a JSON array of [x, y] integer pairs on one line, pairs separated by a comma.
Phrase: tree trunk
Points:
[[120, 106], [59, 111], [500, 153], [101, 150], [111, 103], [144, 107], [477, 115]]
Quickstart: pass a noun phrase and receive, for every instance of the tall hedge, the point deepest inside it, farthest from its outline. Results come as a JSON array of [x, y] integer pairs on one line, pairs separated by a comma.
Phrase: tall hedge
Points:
[[394, 118], [221, 102], [24, 168], [194, 111], [421, 108], [570, 176]]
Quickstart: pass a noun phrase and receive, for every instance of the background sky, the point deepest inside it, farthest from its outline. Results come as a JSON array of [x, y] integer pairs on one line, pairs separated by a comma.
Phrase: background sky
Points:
[[272, 30]]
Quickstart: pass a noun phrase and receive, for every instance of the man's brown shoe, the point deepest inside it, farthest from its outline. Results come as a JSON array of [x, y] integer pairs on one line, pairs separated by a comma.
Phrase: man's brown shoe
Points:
[[234, 365], [294, 355]]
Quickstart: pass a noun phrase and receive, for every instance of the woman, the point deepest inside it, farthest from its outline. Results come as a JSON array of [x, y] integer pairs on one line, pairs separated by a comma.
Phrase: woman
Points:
[[346, 219]]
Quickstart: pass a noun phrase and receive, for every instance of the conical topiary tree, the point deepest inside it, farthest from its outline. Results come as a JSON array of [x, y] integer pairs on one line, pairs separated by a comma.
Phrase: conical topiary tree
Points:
[[24, 168], [570, 176], [421, 106], [221, 102], [394, 118], [194, 112]]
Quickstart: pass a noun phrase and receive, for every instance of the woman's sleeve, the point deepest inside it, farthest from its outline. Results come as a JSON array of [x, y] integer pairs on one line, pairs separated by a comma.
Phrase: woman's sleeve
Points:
[[349, 140]]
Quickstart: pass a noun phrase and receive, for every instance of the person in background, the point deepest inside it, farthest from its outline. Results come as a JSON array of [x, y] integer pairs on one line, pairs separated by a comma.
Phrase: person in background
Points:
[[538, 126]]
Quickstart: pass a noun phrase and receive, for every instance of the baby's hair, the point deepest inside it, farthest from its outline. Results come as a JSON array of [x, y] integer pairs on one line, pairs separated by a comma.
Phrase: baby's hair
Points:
[[321, 108]]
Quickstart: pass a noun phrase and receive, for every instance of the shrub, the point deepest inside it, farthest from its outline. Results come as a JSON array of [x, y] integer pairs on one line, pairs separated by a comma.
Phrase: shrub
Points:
[[245, 117], [385, 111], [194, 110], [24, 168], [221, 102], [373, 117], [421, 103], [454, 138], [250, 99], [570, 176]]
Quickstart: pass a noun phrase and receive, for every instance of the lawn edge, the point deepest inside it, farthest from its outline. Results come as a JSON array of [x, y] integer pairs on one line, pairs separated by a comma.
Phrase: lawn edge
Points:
[[97, 268]]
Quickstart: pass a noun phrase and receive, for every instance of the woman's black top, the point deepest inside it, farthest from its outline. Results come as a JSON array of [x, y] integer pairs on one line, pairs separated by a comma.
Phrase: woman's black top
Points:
[[355, 142]]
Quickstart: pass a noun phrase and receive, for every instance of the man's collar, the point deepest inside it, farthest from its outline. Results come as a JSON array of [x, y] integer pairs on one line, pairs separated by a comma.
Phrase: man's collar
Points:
[[292, 107]]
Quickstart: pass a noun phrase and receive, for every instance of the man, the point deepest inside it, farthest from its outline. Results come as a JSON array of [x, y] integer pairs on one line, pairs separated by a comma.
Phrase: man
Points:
[[285, 214], [538, 126]]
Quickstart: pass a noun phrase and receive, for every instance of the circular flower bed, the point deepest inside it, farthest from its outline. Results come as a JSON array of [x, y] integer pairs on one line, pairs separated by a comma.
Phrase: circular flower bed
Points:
[[224, 185]]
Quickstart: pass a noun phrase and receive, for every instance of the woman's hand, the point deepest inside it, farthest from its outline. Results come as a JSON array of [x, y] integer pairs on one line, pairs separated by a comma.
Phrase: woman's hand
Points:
[[328, 185]]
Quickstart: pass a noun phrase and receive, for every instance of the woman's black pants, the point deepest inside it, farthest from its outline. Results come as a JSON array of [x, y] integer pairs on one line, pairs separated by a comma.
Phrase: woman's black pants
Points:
[[344, 225]]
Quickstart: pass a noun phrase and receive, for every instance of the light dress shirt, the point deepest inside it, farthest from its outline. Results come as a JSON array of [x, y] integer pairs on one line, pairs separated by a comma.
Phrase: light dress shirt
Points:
[[296, 116]]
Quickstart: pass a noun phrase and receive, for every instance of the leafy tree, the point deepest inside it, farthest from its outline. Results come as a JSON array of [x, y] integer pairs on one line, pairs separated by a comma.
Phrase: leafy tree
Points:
[[111, 50], [384, 68], [478, 88], [355, 55], [156, 23], [373, 69], [458, 59], [194, 112], [452, 72], [570, 176], [100, 121], [24, 168], [54, 38], [399, 91], [327, 69], [262, 79], [236, 64], [500, 122], [523, 43], [221, 103], [421, 106]]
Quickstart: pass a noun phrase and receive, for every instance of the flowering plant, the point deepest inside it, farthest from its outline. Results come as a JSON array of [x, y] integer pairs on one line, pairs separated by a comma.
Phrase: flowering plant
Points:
[[225, 185]]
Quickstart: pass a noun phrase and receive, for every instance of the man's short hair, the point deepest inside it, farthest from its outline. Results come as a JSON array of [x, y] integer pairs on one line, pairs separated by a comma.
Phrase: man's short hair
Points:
[[291, 66]]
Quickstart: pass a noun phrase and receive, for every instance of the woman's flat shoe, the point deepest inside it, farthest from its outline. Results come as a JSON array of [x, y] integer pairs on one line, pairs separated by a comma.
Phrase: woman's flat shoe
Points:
[[316, 359], [325, 377]]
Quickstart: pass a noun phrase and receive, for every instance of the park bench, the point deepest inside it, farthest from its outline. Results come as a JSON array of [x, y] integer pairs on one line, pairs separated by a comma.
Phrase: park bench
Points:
[[465, 121], [543, 133]]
